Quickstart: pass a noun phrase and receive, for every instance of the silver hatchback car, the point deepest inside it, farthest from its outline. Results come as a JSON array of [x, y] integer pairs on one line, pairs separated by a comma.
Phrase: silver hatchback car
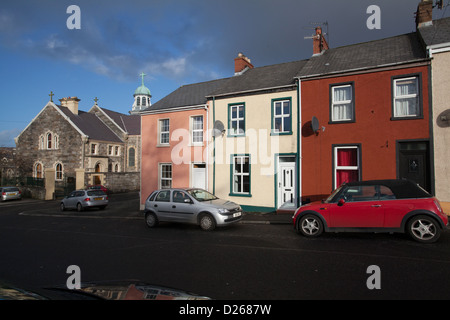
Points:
[[82, 199], [10, 193], [194, 206]]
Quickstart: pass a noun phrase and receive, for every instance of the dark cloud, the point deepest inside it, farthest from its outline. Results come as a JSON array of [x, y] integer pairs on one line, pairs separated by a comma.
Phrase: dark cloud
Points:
[[190, 40]]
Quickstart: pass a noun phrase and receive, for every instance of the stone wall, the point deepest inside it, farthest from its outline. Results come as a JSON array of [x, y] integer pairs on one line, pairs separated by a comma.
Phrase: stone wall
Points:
[[118, 182]]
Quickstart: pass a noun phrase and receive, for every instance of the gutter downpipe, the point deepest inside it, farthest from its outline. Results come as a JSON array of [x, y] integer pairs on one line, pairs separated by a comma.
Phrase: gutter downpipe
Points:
[[299, 150], [214, 147]]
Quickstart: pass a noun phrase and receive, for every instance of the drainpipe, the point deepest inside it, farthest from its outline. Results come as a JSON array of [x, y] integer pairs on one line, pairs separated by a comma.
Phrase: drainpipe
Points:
[[207, 145], [214, 147], [299, 137]]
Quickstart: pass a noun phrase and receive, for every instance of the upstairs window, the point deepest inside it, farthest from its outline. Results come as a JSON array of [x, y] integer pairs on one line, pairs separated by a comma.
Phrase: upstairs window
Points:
[[164, 127], [342, 107], [197, 129], [406, 100], [236, 119], [282, 116]]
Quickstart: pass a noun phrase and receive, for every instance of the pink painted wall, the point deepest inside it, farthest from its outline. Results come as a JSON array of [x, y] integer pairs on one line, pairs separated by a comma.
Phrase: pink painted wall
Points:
[[180, 151]]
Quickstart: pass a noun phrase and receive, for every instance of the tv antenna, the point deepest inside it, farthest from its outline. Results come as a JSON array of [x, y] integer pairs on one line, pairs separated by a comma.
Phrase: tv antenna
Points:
[[319, 24]]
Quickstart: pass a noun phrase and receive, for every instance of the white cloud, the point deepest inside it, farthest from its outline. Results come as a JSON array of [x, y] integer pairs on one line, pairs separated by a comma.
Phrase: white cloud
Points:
[[7, 137]]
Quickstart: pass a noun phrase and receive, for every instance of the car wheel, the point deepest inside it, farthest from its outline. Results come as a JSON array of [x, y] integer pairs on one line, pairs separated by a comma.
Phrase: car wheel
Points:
[[310, 226], [207, 222], [79, 207], [62, 206], [424, 229], [151, 220]]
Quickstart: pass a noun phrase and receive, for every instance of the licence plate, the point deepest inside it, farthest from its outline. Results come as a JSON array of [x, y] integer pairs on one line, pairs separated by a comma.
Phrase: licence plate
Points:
[[12, 194], [98, 198], [237, 214]]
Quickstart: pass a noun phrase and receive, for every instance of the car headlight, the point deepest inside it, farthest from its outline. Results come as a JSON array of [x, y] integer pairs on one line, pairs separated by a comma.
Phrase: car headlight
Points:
[[223, 211]]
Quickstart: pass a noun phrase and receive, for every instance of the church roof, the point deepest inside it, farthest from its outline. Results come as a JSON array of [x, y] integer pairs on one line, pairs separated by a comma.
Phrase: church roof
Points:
[[90, 125]]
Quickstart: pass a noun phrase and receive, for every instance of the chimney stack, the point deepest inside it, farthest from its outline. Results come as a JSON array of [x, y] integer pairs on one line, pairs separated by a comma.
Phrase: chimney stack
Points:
[[241, 63], [71, 103], [424, 14], [319, 42]]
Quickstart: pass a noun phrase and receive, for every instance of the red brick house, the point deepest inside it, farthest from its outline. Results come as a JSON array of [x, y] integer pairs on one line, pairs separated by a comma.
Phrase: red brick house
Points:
[[365, 114]]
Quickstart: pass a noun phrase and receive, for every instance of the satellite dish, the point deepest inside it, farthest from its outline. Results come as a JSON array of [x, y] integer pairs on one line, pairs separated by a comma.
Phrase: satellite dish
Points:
[[218, 128], [315, 124]]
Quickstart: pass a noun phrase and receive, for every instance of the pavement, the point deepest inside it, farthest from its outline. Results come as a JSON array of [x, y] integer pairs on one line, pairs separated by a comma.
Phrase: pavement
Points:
[[266, 218]]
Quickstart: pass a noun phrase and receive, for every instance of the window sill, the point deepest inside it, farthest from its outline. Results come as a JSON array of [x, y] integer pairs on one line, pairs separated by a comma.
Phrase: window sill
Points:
[[406, 118], [248, 195]]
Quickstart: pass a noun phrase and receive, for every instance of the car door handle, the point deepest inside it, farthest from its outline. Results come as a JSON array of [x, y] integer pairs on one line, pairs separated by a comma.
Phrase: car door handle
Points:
[[376, 205], [155, 205], [174, 207]]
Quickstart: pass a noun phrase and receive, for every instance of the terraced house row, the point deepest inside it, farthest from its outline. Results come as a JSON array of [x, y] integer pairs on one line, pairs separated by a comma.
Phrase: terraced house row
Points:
[[274, 137]]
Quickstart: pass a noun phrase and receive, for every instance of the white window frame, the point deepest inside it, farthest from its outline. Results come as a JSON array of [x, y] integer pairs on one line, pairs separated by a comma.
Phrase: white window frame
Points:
[[242, 174], [194, 130], [337, 168], [416, 96], [59, 174], [161, 178], [165, 133], [334, 103], [35, 172], [282, 116], [237, 119]]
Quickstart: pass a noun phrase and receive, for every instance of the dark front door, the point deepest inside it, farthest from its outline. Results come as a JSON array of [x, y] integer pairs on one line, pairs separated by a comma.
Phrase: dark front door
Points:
[[413, 162]]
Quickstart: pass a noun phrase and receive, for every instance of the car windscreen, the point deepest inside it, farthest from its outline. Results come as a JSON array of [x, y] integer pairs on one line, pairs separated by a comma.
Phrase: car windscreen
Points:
[[335, 192], [201, 195], [96, 193]]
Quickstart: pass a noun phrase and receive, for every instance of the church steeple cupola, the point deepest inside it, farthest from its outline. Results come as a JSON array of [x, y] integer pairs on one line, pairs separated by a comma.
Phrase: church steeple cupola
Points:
[[142, 97]]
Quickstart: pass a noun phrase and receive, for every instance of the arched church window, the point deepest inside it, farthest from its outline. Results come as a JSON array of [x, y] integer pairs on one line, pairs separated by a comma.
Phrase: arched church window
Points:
[[58, 171], [49, 140], [38, 171]]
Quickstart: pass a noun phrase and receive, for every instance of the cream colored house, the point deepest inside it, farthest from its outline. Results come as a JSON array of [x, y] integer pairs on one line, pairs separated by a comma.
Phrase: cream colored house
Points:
[[436, 37], [254, 154]]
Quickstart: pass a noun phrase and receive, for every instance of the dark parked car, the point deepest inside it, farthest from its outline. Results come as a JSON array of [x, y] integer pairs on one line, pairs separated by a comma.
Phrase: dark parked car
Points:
[[10, 193], [82, 199], [195, 206], [98, 187], [375, 206]]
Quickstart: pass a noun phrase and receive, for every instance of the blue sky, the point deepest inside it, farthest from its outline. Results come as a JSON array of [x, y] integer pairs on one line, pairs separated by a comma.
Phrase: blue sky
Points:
[[175, 42]]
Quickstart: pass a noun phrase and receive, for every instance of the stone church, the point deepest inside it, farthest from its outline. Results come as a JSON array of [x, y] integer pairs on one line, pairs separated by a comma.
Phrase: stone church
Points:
[[70, 146]]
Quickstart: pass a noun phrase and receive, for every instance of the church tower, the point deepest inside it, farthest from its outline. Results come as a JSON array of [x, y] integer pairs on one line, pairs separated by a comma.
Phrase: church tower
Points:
[[142, 98]]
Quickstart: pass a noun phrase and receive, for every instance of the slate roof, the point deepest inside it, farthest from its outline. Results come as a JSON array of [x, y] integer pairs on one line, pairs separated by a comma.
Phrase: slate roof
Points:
[[389, 51], [277, 75], [90, 125], [128, 123], [437, 33], [187, 95], [260, 78]]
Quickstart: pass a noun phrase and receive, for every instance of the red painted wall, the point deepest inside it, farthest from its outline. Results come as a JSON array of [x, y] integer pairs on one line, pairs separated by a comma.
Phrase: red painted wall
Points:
[[373, 128]]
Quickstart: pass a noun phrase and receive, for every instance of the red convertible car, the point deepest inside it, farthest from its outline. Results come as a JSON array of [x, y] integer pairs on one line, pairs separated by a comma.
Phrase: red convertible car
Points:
[[375, 206]]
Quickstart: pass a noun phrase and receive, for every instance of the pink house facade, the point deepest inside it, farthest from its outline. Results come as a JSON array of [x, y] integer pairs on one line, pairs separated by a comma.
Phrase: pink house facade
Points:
[[175, 140]]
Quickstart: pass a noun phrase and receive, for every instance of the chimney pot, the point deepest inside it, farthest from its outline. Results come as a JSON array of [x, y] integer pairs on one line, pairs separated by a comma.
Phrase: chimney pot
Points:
[[424, 14], [71, 103], [319, 42], [241, 62]]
